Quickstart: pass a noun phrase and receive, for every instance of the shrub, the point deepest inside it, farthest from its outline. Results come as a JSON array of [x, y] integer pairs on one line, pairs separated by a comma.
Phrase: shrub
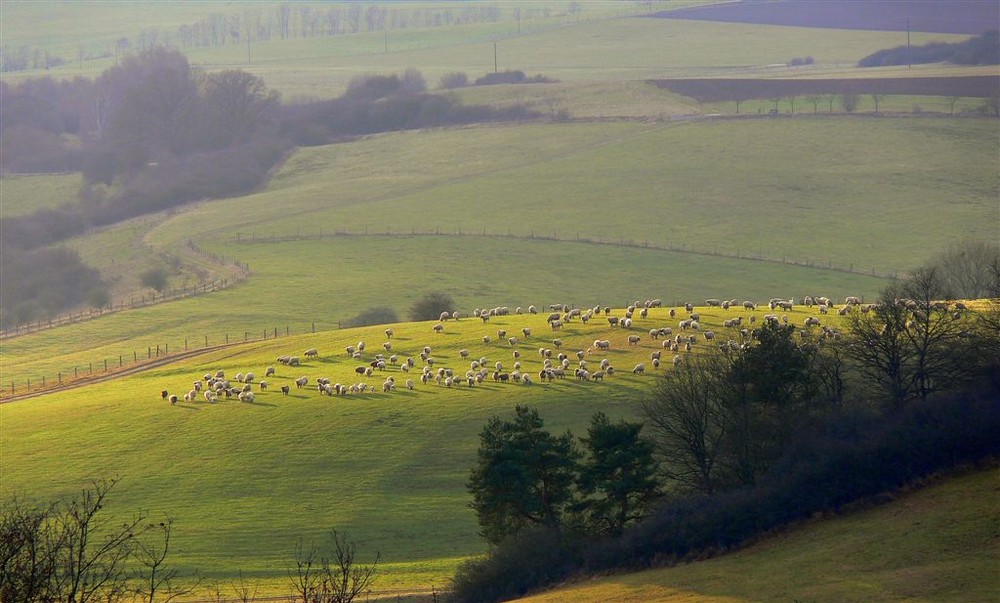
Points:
[[454, 79], [155, 278], [431, 305], [373, 316]]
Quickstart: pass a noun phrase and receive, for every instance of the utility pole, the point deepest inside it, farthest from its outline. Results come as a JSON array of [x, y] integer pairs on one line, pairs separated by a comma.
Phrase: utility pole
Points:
[[496, 64]]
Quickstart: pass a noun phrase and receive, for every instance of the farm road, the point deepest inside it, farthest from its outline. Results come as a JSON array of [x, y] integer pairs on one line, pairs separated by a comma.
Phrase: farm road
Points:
[[110, 375]]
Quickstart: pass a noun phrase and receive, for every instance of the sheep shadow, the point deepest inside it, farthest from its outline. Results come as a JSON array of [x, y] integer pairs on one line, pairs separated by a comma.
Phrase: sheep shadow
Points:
[[186, 406]]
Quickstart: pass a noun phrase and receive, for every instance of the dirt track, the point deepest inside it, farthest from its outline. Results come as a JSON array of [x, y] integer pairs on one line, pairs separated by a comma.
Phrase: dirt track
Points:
[[123, 372]]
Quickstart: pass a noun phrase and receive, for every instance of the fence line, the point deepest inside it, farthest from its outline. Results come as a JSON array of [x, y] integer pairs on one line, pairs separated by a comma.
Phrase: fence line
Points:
[[242, 271], [242, 238], [154, 355]]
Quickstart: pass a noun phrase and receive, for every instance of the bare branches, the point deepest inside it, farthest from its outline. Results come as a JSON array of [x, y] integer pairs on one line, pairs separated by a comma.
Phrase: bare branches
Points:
[[339, 578]]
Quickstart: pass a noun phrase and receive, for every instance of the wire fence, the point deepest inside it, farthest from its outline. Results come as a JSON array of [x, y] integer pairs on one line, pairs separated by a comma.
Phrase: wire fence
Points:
[[758, 256], [237, 271], [107, 367]]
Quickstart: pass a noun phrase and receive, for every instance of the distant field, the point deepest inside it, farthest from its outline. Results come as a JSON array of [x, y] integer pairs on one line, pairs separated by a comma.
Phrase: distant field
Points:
[[958, 16], [23, 194], [933, 544], [245, 481], [606, 48]]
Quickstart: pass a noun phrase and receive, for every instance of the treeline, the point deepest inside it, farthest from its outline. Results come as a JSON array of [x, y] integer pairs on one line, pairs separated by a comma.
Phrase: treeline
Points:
[[983, 49], [772, 427], [256, 24], [153, 132]]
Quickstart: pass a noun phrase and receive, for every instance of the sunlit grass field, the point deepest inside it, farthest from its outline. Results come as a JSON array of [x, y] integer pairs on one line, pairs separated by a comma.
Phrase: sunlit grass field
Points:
[[346, 275], [244, 481]]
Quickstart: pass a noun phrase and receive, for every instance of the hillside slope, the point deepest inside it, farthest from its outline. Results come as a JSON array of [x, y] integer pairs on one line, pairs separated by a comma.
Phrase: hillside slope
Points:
[[933, 544]]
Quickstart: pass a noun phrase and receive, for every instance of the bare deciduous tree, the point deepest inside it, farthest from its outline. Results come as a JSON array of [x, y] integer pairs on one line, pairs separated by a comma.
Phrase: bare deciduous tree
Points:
[[339, 578]]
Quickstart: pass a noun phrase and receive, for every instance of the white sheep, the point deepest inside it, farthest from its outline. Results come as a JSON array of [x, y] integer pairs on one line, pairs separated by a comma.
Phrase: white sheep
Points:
[[438, 328], [639, 369], [311, 353], [388, 333]]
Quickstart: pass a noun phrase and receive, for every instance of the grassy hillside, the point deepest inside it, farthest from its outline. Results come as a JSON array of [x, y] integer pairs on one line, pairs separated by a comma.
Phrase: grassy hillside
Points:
[[806, 190], [934, 544], [285, 291], [246, 480]]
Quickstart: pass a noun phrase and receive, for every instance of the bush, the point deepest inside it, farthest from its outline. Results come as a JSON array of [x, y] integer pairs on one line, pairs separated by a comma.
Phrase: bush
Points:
[[430, 306], [455, 79], [155, 278], [519, 564], [373, 316]]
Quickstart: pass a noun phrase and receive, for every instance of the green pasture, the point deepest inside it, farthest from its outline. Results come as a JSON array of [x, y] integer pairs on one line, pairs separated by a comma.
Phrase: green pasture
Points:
[[295, 285], [932, 544], [866, 194], [244, 481], [24, 194]]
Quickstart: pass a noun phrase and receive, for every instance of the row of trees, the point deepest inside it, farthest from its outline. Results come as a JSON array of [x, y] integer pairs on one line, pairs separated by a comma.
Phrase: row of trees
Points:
[[983, 49], [770, 427]]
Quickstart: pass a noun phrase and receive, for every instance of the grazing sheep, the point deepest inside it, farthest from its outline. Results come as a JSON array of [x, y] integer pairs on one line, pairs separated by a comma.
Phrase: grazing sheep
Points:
[[263, 385], [284, 389], [532, 310], [512, 341], [190, 396], [556, 325], [350, 350], [220, 374], [301, 382], [173, 399], [501, 334], [444, 316], [811, 321], [387, 346], [249, 378], [639, 369], [388, 333], [293, 361], [197, 386], [311, 353], [602, 344], [613, 321], [269, 372], [388, 385], [709, 335], [239, 377], [246, 397], [633, 339], [438, 328], [656, 363], [526, 332]]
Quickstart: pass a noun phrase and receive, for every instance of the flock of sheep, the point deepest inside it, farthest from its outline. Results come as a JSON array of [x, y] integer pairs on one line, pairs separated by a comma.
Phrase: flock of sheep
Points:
[[556, 363]]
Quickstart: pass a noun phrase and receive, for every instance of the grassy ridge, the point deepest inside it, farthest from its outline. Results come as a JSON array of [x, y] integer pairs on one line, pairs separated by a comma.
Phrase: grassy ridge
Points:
[[933, 544], [328, 281]]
